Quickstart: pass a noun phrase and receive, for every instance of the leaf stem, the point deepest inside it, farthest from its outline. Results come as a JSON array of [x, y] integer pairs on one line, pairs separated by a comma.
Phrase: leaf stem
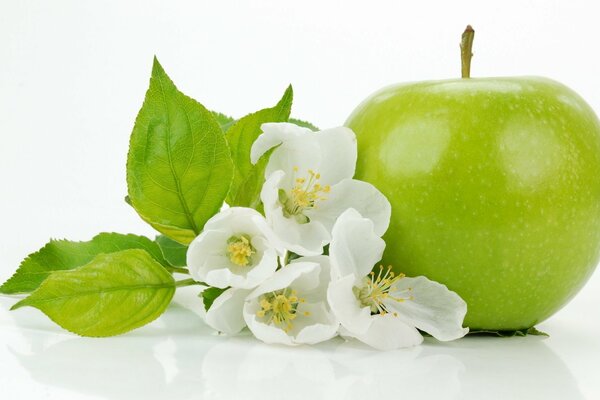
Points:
[[466, 51], [187, 282], [179, 270]]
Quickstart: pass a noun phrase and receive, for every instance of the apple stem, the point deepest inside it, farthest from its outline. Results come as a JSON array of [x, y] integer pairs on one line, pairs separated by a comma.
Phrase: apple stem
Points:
[[466, 51]]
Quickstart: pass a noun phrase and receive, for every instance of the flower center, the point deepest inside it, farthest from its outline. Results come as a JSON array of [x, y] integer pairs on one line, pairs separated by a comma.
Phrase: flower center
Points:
[[376, 290], [240, 250], [280, 307], [305, 195]]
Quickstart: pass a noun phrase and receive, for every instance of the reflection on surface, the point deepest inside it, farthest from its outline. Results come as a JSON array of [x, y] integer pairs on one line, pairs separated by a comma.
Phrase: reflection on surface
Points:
[[509, 368], [337, 371], [147, 364], [179, 358]]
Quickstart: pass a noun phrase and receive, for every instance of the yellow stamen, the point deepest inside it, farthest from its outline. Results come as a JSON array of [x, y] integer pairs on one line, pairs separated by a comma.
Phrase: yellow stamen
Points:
[[305, 195], [280, 308], [378, 289], [240, 250]]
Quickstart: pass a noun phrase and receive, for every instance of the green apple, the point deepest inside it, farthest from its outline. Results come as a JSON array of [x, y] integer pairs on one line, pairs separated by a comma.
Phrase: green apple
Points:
[[495, 190]]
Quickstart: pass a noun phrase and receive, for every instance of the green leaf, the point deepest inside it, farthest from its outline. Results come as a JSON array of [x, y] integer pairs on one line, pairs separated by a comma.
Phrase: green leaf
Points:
[[535, 332], [60, 255], [174, 252], [248, 193], [225, 121], [304, 124], [248, 178], [291, 256], [179, 168], [504, 333], [209, 295], [112, 294]]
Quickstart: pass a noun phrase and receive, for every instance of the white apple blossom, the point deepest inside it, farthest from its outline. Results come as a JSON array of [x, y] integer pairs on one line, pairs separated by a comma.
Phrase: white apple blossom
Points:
[[309, 184], [291, 307], [378, 307], [236, 249]]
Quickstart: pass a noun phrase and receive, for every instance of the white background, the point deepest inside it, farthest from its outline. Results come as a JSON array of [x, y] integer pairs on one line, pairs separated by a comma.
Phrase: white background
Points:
[[72, 78]]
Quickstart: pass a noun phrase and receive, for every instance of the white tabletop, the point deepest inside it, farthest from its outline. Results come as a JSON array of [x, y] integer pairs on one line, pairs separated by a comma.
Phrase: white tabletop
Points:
[[178, 357]]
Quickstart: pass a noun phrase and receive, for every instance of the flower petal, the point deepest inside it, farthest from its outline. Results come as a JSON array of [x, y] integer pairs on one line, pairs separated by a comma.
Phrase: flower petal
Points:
[[433, 308], [318, 326], [338, 154], [262, 271], [207, 252], [351, 193], [275, 134], [222, 278], [269, 238], [297, 149], [234, 219], [354, 247], [225, 314], [267, 333], [387, 332], [318, 293], [285, 276], [269, 194], [346, 307], [303, 239]]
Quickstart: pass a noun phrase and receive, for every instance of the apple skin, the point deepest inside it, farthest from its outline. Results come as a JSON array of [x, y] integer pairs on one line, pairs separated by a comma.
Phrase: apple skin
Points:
[[495, 190]]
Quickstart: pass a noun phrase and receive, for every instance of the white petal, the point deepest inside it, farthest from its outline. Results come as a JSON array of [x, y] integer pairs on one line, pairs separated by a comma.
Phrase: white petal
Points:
[[267, 333], [303, 239], [388, 333], [273, 135], [248, 279], [355, 247], [346, 307], [338, 154], [297, 148], [263, 270], [234, 219], [285, 276], [225, 314], [301, 155], [351, 193], [271, 239], [318, 293], [206, 251], [269, 194], [433, 308], [319, 259], [307, 281], [222, 278], [320, 325]]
